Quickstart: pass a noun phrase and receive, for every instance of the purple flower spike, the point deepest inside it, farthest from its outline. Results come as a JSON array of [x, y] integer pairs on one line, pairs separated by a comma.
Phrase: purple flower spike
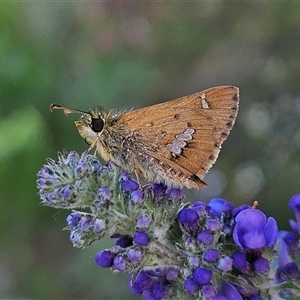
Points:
[[205, 237], [141, 238], [202, 276], [129, 186], [253, 230], [191, 285], [120, 263], [134, 255], [104, 258], [227, 292], [294, 204], [211, 255]]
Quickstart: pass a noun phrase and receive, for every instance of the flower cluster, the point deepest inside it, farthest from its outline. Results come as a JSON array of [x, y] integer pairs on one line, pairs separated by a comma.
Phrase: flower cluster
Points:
[[173, 250]]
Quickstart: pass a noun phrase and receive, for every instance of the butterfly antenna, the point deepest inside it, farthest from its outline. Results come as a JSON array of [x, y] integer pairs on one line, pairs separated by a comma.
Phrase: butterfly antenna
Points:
[[67, 110]]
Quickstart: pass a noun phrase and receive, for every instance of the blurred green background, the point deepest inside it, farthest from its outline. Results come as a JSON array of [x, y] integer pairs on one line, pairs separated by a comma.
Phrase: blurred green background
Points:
[[132, 54]]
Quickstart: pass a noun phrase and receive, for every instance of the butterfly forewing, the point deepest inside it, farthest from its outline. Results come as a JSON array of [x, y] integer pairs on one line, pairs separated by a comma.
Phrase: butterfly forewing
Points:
[[186, 133]]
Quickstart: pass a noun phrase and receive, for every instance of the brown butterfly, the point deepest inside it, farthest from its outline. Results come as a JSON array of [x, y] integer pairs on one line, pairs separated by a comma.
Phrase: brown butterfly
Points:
[[175, 142]]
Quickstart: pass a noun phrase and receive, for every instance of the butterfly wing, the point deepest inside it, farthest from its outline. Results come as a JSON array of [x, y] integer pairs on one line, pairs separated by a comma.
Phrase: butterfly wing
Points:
[[186, 133]]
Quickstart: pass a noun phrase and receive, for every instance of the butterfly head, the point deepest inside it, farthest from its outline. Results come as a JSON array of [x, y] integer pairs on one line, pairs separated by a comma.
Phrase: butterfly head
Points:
[[90, 125]]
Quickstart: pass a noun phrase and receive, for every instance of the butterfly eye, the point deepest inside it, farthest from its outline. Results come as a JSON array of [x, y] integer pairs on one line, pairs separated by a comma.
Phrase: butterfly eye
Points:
[[97, 124]]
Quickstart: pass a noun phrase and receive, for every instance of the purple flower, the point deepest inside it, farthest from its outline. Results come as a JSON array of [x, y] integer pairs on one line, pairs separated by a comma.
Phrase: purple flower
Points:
[[253, 230], [208, 291], [202, 276], [292, 242], [294, 204], [220, 205], [205, 237], [190, 244], [211, 255], [261, 265], [189, 218], [129, 186], [191, 286], [237, 210], [284, 258], [225, 264], [136, 196], [105, 258], [124, 177], [142, 282], [291, 271], [201, 208], [158, 291], [123, 241], [227, 292], [81, 169], [73, 219], [213, 225], [141, 238], [194, 261], [75, 238], [104, 193], [134, 255], [67, 192], [240, 262], [159, 190], [143, 222], [85, 224], [294, 225], [120, 263], [72, 158], [175, 193], [99, 224], [172, 274]]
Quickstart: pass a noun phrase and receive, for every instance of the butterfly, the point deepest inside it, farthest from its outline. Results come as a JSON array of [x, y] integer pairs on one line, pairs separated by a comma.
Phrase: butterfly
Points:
[[175, 142]]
